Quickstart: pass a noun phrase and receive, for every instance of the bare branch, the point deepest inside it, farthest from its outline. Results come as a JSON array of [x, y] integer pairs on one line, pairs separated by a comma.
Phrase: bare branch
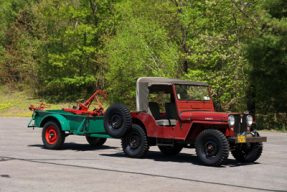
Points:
[[244, 13]]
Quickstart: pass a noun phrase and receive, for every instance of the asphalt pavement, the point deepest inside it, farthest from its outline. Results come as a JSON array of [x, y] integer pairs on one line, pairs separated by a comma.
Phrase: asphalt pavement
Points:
[[25, 165]]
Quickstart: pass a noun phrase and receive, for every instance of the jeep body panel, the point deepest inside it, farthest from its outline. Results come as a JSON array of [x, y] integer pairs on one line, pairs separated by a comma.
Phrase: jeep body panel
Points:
[[204, 116], [183, 130], [193, 116], [173, 114]]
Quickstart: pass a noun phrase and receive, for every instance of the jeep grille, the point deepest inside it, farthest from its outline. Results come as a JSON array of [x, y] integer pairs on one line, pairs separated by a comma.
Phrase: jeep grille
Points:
[[239, 127]]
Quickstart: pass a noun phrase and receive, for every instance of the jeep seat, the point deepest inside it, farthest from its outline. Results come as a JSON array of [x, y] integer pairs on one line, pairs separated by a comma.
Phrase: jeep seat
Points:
[[153, 109], [171, 113]]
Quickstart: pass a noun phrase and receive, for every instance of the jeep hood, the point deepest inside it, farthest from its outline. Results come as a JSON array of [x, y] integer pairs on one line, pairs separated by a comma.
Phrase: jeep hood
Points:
[[205, 116]]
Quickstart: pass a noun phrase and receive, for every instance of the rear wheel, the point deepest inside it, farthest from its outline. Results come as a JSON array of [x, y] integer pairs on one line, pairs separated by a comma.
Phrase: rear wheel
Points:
[[170, 150], [212, 147], [248, 154], [96, 141], [135, 143], [52, 135]]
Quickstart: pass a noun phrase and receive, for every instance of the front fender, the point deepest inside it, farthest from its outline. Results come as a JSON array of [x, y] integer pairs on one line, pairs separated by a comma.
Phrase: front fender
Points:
[[197, 127], [59, 118]]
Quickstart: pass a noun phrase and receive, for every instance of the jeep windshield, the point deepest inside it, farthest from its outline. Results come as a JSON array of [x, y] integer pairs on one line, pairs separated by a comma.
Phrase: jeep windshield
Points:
[[192, 92]]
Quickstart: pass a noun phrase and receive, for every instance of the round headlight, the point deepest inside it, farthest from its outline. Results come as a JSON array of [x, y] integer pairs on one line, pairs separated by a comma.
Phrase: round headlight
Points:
[[249, 120], [231, 120]]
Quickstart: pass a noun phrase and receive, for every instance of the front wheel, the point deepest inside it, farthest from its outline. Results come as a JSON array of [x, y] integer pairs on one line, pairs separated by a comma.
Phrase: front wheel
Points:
[[170, 150], [96, 141], [52, 135], [248, 154], [212, 147], [135, 143]]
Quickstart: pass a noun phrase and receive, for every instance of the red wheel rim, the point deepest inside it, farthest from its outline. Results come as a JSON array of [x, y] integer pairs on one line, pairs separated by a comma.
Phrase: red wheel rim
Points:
[[51, 135]]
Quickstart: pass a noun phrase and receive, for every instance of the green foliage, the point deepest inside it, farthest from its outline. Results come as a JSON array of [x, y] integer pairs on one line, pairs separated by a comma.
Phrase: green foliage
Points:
[[141, 47], [62, 46], [217, 31], [11, 70], [64, 50], [268, 56], [69, 51]]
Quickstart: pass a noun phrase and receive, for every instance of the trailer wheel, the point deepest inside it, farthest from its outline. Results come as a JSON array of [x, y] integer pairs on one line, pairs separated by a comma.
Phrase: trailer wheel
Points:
[[248, 155], [52, 135], [212, 147], [167, 150], [135, 143], [96, 141], [117, 120]]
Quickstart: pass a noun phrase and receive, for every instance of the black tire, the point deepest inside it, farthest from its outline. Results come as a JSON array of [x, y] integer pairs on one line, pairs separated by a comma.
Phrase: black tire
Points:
[[212, 147], [117, 120], [248, 155], [96, 141], [52, 135], [171, 150], [135, 143]]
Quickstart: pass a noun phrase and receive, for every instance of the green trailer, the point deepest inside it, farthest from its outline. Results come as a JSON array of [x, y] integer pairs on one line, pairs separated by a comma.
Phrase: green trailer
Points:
[[96, 125], [58, 124]]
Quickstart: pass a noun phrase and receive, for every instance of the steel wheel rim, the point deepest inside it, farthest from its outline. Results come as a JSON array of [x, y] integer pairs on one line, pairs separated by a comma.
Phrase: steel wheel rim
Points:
[[51, 135], [134, 141], [116, 121], [210, 148]]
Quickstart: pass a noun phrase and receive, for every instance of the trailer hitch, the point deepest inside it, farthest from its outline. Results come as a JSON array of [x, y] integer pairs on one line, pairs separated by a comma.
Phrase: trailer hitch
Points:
[[40, 108]]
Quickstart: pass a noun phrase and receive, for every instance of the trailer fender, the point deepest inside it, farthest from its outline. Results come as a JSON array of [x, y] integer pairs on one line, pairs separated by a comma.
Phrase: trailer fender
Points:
[[59, 118]]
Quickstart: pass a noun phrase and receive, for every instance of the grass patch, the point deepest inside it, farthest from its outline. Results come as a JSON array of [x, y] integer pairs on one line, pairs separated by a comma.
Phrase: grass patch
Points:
[[16, 103]]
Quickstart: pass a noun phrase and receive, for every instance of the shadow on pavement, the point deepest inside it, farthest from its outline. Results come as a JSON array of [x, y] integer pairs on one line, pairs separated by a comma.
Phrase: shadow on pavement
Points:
[[234, 163], [181, 158], [152, 155], [77, 147]]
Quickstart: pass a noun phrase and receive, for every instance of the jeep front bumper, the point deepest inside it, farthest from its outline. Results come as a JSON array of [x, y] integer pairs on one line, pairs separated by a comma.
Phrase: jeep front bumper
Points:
[[237, 140]]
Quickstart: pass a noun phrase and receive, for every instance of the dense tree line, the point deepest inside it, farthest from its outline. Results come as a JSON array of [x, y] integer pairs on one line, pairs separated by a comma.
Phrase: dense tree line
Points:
[[68, 49]]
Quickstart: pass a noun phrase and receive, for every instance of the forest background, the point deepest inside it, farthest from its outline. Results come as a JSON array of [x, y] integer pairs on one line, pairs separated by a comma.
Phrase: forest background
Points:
[[63, 50]]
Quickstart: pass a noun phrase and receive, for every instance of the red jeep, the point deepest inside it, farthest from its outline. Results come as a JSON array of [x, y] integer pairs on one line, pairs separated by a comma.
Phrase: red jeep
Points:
[[187, 119]]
